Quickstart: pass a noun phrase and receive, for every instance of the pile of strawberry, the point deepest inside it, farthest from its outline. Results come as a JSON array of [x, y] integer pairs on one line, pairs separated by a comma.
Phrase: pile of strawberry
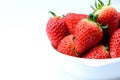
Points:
[[94, 36]]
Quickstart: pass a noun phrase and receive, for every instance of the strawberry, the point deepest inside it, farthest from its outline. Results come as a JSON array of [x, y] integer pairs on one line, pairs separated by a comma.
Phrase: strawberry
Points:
[[88, 33], [98, 52], [72, 19], [67, 46], [56, 29], [108, 15], [115, 44]]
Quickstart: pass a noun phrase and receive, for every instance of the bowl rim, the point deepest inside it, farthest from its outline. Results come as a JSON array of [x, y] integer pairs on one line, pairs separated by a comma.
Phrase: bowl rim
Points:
[[86, 61]]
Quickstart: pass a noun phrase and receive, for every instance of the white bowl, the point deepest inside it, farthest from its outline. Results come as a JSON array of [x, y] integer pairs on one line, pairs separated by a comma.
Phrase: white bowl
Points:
[[87, 69]]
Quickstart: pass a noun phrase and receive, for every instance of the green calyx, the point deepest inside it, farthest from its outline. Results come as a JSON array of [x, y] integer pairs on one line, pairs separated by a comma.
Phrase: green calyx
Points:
[[74, 47], [106, 47], [93, 17], [104, 27], [54, 15], [75, 52], [99, 5]]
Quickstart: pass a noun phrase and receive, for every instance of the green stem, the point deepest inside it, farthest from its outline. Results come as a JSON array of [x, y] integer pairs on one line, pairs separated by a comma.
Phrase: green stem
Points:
[[53, 13]]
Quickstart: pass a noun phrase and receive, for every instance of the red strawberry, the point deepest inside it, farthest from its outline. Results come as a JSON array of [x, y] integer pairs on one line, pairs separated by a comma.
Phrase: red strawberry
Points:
[[115, 44], [67, 46], [87, 34], [108, 15], [98, 52], [56, 30], [72, 19]]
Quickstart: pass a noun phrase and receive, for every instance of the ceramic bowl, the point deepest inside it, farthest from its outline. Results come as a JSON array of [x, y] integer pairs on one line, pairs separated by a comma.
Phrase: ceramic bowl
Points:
[[87, 69]]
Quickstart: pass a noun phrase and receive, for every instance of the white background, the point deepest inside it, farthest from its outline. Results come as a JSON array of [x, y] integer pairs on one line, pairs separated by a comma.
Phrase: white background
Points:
[[24, 46]]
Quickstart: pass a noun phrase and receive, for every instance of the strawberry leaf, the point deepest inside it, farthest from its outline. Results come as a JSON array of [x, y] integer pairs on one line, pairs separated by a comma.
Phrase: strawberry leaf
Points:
[[92, 7], [109, 2], [53, 13], [99, 4], [90, 16], [104, 27], [102, 4], [63, 15], [95, 17], [96, 4]]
